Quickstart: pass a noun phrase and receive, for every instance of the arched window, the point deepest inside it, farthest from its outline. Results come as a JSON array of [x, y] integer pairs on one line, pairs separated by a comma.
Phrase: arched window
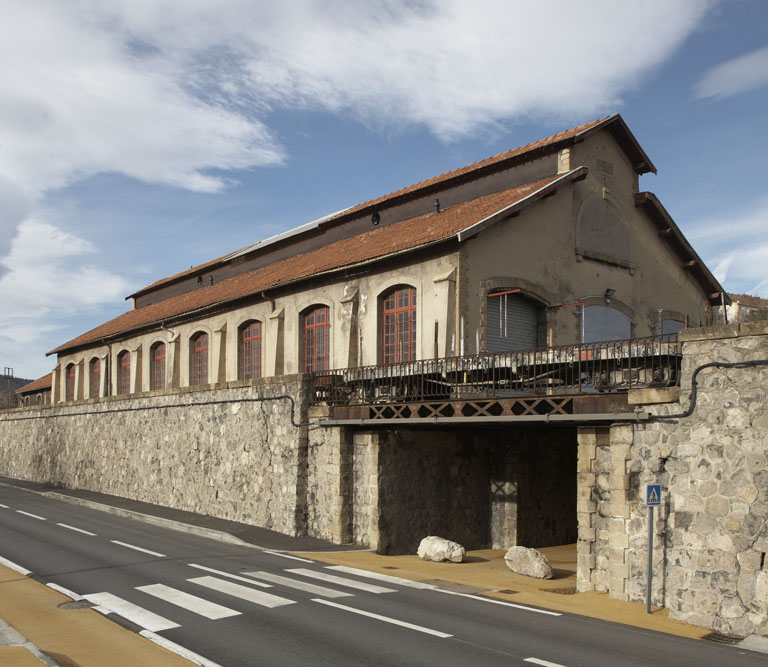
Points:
[[398, 325], [602, 323], [249, 351], [39, 399], [157, 366], [70, 381], [316, 328], [94, 378], [198, 359], [124, 372], [26, 400]]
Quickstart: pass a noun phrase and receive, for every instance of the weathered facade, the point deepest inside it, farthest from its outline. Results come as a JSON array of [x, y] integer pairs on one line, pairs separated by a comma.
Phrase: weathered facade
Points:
[[201, 396]]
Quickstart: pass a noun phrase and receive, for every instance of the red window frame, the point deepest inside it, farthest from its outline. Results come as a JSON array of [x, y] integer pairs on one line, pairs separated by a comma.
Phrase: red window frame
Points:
[[249, 351], [124, 372], [70, 382], [94, 378], [316, 326], [398, 325], [198, 359], [157, 366]]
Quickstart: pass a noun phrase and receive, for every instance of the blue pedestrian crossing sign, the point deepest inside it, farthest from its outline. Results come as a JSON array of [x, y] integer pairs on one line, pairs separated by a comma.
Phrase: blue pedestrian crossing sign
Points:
[[653, 495]]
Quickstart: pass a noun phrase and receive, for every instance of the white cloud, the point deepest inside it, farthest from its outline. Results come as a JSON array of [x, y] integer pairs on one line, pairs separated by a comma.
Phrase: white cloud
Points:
[[46, 281], [735, 76], [736, 244]]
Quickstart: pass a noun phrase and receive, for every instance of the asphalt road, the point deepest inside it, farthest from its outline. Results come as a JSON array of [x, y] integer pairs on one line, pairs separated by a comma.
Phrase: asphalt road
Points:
[[236, 605]]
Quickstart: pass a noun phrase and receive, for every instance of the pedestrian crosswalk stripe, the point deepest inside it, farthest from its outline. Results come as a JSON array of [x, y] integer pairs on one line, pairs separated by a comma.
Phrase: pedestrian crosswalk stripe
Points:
[[135, 614], [300, 585], [189, 602], [243, 592], [382, 577], [237, 577], [341, 581]]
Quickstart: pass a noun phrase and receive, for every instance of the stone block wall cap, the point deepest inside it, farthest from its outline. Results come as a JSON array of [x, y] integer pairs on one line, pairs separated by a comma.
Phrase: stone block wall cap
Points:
[[318, 411], [651, 396], [709, 333]]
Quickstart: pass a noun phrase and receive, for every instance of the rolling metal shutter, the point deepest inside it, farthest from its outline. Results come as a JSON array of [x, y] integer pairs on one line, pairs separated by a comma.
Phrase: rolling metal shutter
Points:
[[511, 323]]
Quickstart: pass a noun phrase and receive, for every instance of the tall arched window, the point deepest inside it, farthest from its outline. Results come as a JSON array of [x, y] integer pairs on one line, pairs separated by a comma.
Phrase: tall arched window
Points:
[[124, 372], [94, 378], [39, 399], [316, 328], [513, 321], [71, 376], [602, 323], [249, 351], [398, 325], [198, 359], [26, 399], [157, 366]]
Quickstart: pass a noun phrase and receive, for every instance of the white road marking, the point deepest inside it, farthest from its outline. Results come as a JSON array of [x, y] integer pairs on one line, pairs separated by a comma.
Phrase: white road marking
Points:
[[501, 602], [196, 658], [138, 615], [386, 619], [242, 592], [300, 585], [341, 581], [5, 507], [134, 547], [34, 516], [78, 530], [382, 577], [189, 602], [65, 591], [231, 576], [543, 663], [277, 553], [15, 566]]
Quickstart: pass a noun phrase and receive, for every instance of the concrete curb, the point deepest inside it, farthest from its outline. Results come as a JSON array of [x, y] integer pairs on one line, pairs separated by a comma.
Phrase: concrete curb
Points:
[[11, 637]]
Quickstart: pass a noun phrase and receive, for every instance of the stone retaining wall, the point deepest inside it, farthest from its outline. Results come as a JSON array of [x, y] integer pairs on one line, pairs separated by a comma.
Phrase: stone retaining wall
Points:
[[711, 532], [233, 458]]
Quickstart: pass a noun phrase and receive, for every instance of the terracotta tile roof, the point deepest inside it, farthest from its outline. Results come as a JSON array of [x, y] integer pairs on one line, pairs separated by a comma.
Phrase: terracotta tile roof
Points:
[[44, 382], [516, 154], [375, 244]]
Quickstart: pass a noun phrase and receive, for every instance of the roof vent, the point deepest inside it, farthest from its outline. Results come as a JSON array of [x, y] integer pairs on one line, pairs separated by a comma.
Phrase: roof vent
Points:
[[437, 205]]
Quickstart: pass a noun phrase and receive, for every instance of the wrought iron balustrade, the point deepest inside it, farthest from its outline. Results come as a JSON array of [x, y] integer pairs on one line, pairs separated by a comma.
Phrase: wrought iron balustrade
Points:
[[588, 368]]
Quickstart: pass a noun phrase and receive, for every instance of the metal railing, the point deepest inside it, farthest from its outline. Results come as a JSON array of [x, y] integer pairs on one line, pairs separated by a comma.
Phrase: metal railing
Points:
[[584, 368]]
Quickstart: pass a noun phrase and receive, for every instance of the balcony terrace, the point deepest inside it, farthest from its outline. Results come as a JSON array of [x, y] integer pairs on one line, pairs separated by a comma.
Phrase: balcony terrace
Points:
[[588, 381]]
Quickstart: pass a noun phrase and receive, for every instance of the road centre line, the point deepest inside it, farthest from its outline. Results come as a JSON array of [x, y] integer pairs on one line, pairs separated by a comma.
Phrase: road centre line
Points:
[[193, 657], [501, 602], [79, 530], [132, 612], [237, 577], [341, 581], [386, 619], [133, 546], [243, 592], [34, 516], [15, 566], [277, 553], [305, 586], [382, 577], [543, 663], [5, 507], [187, 601]]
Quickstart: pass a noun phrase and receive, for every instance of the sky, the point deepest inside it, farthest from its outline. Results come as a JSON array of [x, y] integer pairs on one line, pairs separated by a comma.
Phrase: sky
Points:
[[138, 139]]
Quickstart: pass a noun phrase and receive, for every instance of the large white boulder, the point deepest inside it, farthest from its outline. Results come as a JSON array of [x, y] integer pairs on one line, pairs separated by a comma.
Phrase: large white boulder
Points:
[[530, 562], [439, 549]]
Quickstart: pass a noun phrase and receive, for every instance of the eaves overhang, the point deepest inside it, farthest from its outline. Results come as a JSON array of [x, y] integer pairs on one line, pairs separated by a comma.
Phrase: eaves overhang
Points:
[[689, 259]]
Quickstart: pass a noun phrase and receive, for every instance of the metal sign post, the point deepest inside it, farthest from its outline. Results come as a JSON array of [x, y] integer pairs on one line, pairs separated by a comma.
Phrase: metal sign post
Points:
[[652, 499]]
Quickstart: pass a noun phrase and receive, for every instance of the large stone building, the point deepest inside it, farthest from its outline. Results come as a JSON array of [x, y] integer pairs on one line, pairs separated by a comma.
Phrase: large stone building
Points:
[[548, 244], [369, 378]]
